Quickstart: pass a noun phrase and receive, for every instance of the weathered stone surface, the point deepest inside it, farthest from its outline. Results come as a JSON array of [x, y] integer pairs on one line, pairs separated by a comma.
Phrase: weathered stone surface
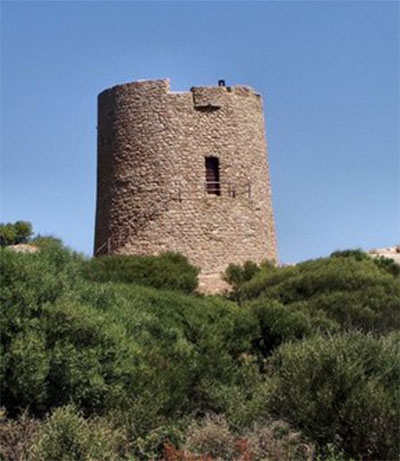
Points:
[[151, 194], [388, 252], [23, 248]]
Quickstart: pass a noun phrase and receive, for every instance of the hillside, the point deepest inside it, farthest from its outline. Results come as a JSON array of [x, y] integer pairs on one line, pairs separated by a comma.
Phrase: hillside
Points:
[[118, 358]]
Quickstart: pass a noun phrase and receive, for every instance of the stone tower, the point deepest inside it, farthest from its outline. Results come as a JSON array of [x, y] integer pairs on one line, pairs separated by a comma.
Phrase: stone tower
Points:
[[186, 172]]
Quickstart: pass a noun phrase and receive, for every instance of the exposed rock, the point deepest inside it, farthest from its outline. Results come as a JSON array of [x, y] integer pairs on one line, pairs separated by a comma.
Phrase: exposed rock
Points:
[[23, 248], [212, 284], [388, 252]]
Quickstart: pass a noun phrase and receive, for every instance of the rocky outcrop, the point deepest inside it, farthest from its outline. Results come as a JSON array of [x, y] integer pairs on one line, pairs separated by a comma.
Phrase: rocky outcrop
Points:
[[392, 252]]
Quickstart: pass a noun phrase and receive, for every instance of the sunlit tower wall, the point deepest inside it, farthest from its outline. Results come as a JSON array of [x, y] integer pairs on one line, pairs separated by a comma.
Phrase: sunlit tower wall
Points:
[[185, 172]]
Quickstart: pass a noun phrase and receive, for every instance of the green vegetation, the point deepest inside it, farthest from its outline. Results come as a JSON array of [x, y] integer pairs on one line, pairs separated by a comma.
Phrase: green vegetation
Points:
[[169, 271], [115, 358], [12, 234]]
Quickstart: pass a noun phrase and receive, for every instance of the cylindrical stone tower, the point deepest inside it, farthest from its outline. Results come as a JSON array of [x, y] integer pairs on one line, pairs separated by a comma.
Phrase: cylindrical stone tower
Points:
[[184, 172]]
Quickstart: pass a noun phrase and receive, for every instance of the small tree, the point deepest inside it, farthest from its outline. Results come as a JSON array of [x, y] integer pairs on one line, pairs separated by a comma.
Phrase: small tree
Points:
[[12, 234], [23, 231], [7, 234]]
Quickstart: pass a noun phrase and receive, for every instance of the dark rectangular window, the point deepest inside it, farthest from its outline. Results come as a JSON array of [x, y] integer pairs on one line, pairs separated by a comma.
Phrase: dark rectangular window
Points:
[[212, 176]]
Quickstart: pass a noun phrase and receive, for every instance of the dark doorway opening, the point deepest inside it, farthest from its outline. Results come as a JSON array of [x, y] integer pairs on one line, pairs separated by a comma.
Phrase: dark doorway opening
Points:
[[212, 176]]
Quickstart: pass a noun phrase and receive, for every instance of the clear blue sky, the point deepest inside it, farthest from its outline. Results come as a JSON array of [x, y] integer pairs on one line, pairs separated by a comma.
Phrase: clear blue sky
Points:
[[328, 72]]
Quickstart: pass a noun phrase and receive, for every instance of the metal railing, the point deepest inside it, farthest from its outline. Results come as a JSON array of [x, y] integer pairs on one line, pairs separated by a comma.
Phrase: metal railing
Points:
[[227, 189], [138, 221]]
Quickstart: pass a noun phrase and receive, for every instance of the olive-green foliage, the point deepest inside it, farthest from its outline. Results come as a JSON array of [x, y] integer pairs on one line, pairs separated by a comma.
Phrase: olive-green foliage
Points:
[[67, 436], [387, 264], [236, 274], [7, 234], [354, 292], [278, 323], [139, 353], [151, 445], [342, 390], [150, 360], [56, 348], [12, 234], [48, 243], [169, 271], [192, 346]]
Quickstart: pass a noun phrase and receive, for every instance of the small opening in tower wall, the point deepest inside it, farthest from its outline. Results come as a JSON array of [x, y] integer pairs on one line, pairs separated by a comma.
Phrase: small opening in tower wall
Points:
[[212, 176]]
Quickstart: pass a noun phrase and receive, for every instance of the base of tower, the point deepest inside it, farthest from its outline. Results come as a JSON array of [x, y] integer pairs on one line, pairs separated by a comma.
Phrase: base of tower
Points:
[[211, 284]]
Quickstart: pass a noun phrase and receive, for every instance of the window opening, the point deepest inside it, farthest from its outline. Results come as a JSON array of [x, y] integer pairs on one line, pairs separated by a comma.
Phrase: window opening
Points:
[[212, 176]]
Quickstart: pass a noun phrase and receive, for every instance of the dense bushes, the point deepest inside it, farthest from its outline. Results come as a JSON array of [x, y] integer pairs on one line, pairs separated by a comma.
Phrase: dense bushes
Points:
[[169, 271], [387, 264], [342, 390], [235, 274], [143, 355], [276, 324], [353, 292], [55, 347], [67, 436], [305, 366]]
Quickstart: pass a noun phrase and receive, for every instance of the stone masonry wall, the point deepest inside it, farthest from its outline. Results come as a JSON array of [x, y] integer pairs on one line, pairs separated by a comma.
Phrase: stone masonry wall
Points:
[[151, 195]]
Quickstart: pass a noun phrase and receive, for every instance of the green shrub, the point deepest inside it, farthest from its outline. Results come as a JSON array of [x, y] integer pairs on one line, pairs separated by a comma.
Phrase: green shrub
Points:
[[258, 286], [341, 390], [23, 231], [387, 264], [67, 436], [72, 354], [278, 324], [8, 234], [193, 345], [150, 360], [151, 445], [108, 347], [353, 292], [235, 274], [241, 399], [48, 243], [357, 254], [328, 275], [56, 349], [12, 234], [372, 309], [27, 283], [170, 271], [27, 366]]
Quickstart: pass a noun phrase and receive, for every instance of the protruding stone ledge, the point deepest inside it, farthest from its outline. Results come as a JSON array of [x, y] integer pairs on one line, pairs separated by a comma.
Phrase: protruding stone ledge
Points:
[[208, 97]]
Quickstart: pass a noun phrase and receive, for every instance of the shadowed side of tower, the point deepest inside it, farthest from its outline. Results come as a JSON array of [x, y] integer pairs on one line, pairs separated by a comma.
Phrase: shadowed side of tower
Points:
[[184, 172]]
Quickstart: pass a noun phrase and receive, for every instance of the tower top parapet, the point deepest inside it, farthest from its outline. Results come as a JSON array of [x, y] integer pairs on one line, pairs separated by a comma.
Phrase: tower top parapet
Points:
[[163, 86]]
